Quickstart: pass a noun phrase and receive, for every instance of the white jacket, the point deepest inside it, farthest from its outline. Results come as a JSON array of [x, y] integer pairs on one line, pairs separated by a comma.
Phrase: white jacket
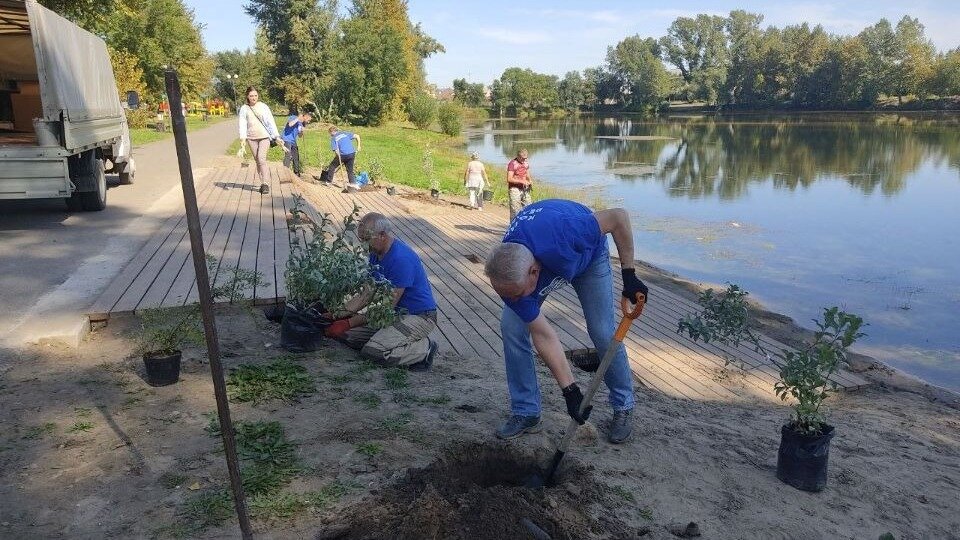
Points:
[[248, 116]]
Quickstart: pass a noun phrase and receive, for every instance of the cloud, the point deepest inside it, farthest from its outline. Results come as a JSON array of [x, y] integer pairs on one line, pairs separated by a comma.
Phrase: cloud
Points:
[[514, 38]]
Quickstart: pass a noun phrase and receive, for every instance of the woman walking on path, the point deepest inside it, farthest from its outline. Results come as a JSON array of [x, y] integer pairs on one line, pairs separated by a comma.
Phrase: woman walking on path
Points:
[[475, 179], [258, 128]]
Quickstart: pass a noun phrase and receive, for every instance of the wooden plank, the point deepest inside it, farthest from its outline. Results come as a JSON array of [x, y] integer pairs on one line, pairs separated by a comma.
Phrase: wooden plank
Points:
[[178, 276], [132, 298], [265, 263], [109, 298]]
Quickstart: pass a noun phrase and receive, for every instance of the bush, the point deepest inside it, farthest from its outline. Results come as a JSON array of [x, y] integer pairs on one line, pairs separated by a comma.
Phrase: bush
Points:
[[140, 118], [422, 109], [449, 116]]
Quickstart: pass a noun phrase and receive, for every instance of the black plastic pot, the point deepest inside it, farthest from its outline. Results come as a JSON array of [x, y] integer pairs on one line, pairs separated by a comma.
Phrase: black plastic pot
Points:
[[802, 459], [302, 330], [487, 195], [435, 193], [391, 190], [162, 369]]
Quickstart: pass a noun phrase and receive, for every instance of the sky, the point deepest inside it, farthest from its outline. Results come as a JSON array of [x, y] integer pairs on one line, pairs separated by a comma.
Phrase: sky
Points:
[[484, 38]]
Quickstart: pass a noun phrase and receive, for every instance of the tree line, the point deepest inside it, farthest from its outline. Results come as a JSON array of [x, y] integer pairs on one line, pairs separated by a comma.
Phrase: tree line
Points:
[[732, 62], [363, 64]]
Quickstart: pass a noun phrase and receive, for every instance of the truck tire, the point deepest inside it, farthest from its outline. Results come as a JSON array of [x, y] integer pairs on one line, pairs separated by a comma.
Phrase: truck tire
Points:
[[128, 173], [95, 201]]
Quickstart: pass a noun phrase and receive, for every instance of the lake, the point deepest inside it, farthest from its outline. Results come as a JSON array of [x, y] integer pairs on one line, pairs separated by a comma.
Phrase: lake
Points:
[[804, 211]]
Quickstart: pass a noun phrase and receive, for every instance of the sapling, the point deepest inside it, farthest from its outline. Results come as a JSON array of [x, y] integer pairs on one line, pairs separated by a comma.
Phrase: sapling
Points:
[[805, 374], [166, 330]]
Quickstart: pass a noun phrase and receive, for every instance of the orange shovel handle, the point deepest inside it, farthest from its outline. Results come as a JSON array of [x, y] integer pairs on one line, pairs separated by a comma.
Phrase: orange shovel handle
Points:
[[629, 315]]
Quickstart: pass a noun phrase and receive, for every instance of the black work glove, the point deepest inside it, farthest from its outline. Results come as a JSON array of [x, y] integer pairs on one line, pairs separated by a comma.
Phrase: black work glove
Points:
[[574, 398], [632, 285]]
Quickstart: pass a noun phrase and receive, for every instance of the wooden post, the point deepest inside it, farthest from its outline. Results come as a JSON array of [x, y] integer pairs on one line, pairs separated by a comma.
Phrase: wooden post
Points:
[[206, 300]]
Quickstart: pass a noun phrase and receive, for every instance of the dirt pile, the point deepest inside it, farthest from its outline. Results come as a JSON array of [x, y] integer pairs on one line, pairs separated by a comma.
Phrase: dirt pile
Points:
[[476, 491]]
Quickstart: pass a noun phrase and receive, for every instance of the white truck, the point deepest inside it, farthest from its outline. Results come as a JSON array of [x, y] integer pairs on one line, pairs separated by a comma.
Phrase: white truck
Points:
[[62, 126]]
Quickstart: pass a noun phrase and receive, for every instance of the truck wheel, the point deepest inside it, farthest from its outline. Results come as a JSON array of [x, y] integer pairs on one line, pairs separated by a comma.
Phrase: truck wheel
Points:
[[128, 173], [94, 201]]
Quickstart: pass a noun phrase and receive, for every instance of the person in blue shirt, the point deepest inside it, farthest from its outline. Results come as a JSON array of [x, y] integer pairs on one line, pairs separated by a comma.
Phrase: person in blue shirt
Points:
[[292, 131], [405, 343], [341, 142], [550, 244]]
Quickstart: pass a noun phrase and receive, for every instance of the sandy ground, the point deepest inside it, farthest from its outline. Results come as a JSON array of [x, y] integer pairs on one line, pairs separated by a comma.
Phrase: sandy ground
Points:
[[89, 450]]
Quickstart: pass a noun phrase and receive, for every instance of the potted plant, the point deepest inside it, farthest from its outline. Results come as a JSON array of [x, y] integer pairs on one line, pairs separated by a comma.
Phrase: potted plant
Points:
[[805, 377], [164, 332], [321, 275]]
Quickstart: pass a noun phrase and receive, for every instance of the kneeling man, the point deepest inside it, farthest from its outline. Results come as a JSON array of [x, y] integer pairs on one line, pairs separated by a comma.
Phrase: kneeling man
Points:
[[405, 342]]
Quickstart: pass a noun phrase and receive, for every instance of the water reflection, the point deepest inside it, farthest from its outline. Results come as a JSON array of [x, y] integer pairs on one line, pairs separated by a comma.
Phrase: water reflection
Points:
[[804, 211], [699, 156]]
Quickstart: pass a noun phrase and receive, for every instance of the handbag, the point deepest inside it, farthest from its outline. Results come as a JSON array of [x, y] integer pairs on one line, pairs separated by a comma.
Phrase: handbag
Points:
[[273, 141]]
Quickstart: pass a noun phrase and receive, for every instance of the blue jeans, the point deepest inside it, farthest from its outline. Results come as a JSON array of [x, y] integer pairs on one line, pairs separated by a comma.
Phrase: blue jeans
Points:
[[594, 288]]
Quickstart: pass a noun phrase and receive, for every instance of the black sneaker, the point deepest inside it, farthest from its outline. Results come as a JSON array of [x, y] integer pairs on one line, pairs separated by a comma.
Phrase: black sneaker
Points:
[[426, 363], [264, 189], [517, 425], [621, 426]]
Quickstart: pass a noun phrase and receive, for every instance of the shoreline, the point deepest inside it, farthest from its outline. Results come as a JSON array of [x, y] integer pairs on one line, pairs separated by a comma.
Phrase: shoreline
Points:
[[775, 325]]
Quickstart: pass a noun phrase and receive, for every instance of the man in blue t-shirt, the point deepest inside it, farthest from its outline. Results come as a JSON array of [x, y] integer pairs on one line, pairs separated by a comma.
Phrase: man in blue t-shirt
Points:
[[341, 142], [406, 342], [292, 131], [550, 244]]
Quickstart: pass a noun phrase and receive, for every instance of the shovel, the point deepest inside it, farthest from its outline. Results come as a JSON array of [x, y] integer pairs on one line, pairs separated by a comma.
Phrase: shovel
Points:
[[537, 481]]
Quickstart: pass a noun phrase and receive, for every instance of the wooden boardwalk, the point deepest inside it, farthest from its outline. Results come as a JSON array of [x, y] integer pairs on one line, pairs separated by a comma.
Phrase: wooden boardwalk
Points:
[[241, 228], [246, 230]]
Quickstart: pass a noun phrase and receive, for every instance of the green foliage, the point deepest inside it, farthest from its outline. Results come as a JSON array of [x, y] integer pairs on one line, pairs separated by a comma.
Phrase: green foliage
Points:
[[210, 509], [697, 48], [642, 78], [422, 110], [370, 449], [80, 426], [39, 431], [396, 378], [805, 374], [233, 282], [166, 330], [369, 400], [249, 66], [171, 480], [281, 380], [426, 165], [377, 174], [469, 94], [450, 117], [523, 90], [267, 459]]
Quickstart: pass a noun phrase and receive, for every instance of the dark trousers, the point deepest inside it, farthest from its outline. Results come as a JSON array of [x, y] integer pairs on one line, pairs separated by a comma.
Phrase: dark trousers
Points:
[[292, 156], [335, 164]]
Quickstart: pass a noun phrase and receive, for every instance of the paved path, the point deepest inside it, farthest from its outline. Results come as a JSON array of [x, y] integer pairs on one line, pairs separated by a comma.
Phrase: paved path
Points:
[[54, 264]]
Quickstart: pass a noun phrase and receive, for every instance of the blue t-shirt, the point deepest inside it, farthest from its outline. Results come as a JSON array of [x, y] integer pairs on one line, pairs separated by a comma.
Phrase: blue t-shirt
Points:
[[290, 133], [402, 267], [343, 140], [564, 237]]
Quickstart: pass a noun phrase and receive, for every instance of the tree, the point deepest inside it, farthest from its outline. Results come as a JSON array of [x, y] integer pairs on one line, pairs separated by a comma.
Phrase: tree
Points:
[[91, 15], [367, 72], [697, 47], [881, 47], [523, 90], [127, 72], [421, 110], [250, 68], [914, 59], [642, 78], [299, 33], [570, 91], [946, 76], [469, 94], [744, 40]]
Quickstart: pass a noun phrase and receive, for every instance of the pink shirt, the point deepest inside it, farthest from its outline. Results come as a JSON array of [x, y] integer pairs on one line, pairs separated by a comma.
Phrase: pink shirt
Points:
[[519, 171]]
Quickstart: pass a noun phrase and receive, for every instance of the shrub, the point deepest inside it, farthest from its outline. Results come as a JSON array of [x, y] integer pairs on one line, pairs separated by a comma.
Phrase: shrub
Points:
[[421, 110], [166, 330], [450, 116]]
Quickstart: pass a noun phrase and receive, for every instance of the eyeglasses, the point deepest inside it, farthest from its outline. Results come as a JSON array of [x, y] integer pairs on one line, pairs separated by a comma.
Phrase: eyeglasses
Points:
[[366, 236]]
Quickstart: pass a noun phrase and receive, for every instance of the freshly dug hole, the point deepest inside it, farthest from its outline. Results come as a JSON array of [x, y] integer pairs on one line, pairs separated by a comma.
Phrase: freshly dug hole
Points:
[[475, 491]]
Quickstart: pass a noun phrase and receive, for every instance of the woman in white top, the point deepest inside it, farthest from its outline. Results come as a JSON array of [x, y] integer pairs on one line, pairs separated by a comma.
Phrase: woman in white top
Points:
[[257, 128], [474, 179]]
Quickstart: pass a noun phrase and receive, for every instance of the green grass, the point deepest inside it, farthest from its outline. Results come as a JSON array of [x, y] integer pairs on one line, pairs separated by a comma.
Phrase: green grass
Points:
[[210, 509], [369, 449], [400, 147], [81, 426], [623, 493], [171, 480], [369, 400], [281, 380], [284, 505], [145, 135], [396, 378], [646, 513], [39, 431], [268, 459], [397, 424]]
